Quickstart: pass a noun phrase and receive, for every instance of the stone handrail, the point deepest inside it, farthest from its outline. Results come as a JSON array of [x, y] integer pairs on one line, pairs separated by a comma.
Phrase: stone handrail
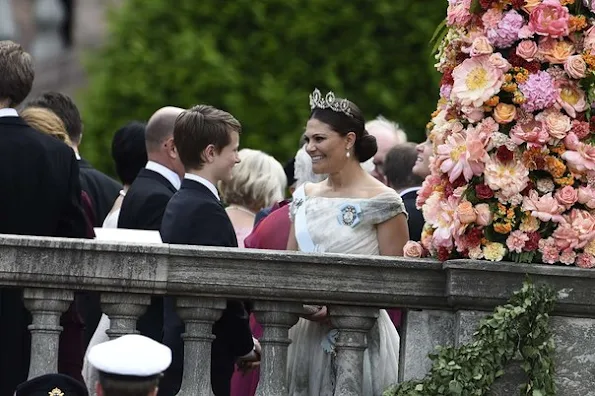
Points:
[[444, 301]]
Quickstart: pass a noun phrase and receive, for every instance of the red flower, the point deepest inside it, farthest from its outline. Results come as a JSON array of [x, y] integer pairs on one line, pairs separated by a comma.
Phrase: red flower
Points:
[[533, 242], [518, 4], [515, 60], [483, 192], [459, 182], [580, 129], [443, 253], [530, 186], [486, 4], [504, 154], [474, 237], [447, 78]]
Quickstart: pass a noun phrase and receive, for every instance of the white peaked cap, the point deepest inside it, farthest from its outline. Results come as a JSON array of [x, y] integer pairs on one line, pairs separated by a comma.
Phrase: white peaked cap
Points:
[[130, 355]]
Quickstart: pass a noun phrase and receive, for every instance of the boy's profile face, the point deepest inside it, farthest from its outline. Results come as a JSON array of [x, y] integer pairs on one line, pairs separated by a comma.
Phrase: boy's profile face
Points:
[[227, 158]]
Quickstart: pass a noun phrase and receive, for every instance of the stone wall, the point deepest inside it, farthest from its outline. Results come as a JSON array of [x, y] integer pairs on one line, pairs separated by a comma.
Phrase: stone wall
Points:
[[444, 302]]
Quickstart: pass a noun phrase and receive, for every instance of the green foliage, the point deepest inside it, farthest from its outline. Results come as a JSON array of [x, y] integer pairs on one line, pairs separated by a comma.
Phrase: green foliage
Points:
[[260, 60], [519, 327]]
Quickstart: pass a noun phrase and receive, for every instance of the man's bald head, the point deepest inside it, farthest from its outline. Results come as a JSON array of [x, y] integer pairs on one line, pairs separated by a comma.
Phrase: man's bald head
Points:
[[161, 127]]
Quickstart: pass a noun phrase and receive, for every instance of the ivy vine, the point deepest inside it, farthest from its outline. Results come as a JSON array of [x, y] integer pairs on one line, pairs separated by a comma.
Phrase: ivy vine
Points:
[[519, 328]]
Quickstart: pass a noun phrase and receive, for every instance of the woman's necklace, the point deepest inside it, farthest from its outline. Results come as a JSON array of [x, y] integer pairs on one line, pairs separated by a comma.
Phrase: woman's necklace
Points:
[[241, 209]]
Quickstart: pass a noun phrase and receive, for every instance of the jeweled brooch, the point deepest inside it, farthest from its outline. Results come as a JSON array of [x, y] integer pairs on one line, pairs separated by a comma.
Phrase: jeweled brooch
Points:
[[349, 215]]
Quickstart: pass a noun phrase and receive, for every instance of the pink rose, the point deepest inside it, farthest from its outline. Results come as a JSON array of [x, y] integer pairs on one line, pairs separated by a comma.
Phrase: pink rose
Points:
[[565, 237], [586, 196], [567, 196], [481, 46], [589, 40], [473, 114], [575, 66], [556, 123], [545, 208], [550, 18], [413, 249], [527, 49], [499, 62], [484, 214], [583, 223]]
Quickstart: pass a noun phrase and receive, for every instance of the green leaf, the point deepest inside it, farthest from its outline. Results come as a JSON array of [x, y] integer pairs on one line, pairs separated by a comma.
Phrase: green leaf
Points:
[[455, 388]]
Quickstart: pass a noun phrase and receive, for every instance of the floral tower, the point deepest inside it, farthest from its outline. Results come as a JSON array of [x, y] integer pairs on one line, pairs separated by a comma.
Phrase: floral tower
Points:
[[513, 169]]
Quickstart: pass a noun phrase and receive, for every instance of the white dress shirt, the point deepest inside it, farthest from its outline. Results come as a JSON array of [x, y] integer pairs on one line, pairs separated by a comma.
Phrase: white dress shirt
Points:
[[170, 175], [8, 112], [204, 182]]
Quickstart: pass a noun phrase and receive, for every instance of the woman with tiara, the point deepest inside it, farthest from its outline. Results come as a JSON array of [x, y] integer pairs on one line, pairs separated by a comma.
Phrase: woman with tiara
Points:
[[349, 212]]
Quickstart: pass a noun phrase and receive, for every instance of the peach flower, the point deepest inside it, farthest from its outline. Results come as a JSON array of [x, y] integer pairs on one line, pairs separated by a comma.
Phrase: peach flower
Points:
[[583, 223], [549, 18], [499, 62], [555, 51], [413, 249], [484, 214], [527, 49], [565, 237], [589, 40], [566, 196], [475, 81], [481, 46], [530, 130], [545, 208], [557, 124], [530, 5], [581, 159], [571, 97], [586, 196], [466, 213], [504, 113], [461, 155], [510, 178], [575, 67]]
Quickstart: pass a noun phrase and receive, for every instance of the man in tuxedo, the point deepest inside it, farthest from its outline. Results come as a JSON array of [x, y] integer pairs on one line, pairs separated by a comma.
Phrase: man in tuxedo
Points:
[[144, 203], [207, 140], [102, 189], [400, 177], [40, 196]]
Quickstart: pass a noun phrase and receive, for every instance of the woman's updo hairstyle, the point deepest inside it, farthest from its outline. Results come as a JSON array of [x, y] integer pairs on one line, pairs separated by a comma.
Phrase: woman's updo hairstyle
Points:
[[343, 116]]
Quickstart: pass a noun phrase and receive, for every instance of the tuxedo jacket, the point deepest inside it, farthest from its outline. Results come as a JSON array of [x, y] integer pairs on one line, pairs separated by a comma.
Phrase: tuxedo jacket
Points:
[[41, 195], [194, 216], [142, 209], [145, 201], [102, 189], [416, 219]]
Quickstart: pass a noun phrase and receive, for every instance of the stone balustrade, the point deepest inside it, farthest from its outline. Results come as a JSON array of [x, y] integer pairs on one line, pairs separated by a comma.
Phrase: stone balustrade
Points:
[[444, 302]]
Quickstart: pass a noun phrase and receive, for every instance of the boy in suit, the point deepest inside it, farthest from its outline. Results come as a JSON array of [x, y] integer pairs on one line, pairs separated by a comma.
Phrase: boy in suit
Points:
[[207, 140]]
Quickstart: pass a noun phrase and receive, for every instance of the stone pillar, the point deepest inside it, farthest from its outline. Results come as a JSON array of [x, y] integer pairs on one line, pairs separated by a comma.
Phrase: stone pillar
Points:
[[46, 307], [422, 332], [123, 311], [198, 314], [353, 324], [49, 16], [276, 319]]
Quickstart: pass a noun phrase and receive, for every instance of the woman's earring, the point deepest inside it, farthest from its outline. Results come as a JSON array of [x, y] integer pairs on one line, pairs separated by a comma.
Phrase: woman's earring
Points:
[[347, 154]]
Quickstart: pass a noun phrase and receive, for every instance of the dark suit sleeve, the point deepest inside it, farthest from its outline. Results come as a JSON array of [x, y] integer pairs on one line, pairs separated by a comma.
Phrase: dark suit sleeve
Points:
[[152, 211], [72, 223]]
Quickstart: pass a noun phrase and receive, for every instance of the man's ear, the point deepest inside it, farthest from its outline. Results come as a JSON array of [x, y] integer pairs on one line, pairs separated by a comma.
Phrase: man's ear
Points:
[[209, 153]]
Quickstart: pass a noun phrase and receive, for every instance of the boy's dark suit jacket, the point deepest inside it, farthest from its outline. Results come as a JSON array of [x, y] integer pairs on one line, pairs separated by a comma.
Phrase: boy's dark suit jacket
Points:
[[41, 195], [194, 216], [142, 209], [415, 219]]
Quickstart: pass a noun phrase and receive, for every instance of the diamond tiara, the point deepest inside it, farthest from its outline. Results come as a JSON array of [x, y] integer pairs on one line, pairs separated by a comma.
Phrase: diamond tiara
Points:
[[329, 102]]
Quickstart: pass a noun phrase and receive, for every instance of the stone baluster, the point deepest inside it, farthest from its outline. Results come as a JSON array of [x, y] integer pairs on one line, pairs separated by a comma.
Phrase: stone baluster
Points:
[[276, 319], [46, 307], [123, 311], [49, 16], [353, 324], [198, 314]]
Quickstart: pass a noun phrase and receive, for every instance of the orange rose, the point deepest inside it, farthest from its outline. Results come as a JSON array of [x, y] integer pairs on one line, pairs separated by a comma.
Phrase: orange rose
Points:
[[556, 52], [504, 113], [466, 213], [530, 5]]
